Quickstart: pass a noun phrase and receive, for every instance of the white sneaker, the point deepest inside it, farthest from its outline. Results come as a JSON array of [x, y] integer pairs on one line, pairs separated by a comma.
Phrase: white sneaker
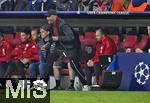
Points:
[[86, 88], [96, 86]]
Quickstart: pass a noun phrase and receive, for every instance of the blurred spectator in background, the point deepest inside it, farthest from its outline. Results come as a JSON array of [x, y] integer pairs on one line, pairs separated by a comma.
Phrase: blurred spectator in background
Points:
[[35, 34], [126, 3], [67, 5], [147, 46], [7, 5], [138, 6], [1, 2], [112, 5], [89, 5], [27, 5], [48, 4], [21, 5], [34, 5], [99, 2], [148, 1]]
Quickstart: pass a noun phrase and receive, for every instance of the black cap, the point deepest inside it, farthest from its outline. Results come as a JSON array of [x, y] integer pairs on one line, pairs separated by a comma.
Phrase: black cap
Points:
[[51, 12]]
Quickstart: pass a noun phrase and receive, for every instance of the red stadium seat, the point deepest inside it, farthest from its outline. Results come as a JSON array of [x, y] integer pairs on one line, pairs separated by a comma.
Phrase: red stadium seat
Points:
[[88, 49], [9, 37], [17, 38], [115, 38], [90, 35], [17, 35], [130, 41], [81, 38], [142, 43]]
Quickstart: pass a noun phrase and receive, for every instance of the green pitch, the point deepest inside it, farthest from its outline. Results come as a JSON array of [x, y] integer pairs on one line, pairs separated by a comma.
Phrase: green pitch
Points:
[[99, 97], [85, 97]]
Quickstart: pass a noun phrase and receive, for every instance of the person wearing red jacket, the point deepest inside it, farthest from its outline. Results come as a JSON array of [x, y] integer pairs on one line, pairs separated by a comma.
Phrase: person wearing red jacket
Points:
[[5, 57], [104, 46], [25, 52]]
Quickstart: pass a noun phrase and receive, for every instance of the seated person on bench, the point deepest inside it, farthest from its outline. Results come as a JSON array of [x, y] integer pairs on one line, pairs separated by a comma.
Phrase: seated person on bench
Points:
[[24, 54], [104, 46], [5, 58]]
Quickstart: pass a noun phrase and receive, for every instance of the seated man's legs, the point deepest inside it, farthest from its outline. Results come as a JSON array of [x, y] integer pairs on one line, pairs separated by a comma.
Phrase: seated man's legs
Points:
[[10, 69], [20, 69], [89, 73], [98, 73], [56, 70], [42, 71], [75, 65], [6, 70], [97, 70], [33, 71], [71, 76], [3, 67]]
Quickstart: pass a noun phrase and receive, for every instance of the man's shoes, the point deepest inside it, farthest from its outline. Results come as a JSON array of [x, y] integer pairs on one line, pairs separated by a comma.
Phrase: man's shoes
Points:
[[86, 88], [71, 88]]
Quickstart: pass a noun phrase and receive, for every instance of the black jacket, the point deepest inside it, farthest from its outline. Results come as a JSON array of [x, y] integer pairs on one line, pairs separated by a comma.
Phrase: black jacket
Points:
[[67, 36]]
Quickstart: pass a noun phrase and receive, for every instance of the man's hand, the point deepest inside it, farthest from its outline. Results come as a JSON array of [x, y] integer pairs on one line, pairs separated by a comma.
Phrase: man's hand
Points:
[[24, 60], [138, 50], [90, 63], [44, 46], [55, 38]]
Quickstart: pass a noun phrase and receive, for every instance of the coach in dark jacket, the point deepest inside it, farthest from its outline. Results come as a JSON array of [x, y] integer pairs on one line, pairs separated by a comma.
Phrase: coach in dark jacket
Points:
[[66, 41]]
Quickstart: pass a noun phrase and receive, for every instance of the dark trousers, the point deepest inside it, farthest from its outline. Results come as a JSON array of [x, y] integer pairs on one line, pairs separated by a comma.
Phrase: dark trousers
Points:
[[90, 71], [3, 68], [5, 72], [73, 56], [19, 68]]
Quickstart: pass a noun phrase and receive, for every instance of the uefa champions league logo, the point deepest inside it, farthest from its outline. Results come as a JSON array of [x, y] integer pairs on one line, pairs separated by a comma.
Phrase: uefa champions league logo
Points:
[[142, 73]]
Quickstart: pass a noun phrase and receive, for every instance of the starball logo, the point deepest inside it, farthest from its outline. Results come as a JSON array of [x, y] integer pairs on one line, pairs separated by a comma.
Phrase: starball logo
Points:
[[38, 86]]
